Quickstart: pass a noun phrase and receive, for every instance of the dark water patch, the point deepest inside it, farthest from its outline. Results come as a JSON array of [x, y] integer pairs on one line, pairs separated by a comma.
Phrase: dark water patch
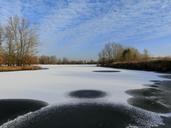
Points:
[[153, 105], [161, 84], [155, 98], [106, 71], [86, 115], [11, 108], [165, 85], [156, 81], [166, 76], [151, 99], [167, 122], [87, 94], [154, 86], [146, 92]]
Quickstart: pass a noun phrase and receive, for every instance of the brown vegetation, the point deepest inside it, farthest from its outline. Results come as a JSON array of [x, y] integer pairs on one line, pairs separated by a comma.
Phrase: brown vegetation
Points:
[[113, 52], [18, 43], [151, 65], [18, 68], [162, 65], [117, 56]]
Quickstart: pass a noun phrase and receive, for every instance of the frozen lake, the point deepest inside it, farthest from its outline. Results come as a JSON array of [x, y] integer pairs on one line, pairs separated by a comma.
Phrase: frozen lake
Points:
[[53, 85], [73, 84]]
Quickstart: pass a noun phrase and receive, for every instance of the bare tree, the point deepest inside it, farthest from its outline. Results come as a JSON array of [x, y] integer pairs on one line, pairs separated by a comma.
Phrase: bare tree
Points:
[[113, 52], [146, 54], [10, 44], [21, 41], [1, 35], [117, 50], [1, 48]]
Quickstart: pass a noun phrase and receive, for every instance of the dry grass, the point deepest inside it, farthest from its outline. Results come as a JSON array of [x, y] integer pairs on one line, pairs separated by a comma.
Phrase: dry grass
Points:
[[18, 68], [163, 65]]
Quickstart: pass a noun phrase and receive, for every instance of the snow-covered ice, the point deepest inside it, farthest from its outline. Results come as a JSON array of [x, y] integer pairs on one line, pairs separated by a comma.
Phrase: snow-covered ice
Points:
[[54, 84]]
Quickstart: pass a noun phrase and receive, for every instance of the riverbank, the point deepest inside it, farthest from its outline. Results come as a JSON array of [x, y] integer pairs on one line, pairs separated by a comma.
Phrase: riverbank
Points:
[[18, 68], [163, 66]]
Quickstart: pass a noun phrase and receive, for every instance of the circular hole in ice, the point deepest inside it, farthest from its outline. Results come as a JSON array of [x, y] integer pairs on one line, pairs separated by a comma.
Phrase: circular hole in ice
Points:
[[87, 94], [106, 71]]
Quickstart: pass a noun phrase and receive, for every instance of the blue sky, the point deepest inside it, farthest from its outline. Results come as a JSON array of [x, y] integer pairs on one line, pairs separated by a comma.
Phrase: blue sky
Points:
[[80, 28]]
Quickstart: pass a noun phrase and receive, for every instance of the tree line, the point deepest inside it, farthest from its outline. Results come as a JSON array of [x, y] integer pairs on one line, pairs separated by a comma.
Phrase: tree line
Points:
[[18, 42], [54, 60], [113, 52]]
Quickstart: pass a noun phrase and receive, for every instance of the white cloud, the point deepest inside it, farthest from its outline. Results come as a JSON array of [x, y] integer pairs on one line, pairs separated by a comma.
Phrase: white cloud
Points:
[[9, 8]]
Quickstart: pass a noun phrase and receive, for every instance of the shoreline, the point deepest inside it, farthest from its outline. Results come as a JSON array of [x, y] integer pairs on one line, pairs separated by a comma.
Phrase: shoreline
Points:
[[161, 66], [19, 68]]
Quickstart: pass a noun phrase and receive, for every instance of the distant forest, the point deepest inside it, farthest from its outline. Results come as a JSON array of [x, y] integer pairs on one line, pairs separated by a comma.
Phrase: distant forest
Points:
[[55, 60], [113, 52]]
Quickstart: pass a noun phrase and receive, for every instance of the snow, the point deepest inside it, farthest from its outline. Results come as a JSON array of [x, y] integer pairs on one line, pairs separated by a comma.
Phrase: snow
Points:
[[54, 84]]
